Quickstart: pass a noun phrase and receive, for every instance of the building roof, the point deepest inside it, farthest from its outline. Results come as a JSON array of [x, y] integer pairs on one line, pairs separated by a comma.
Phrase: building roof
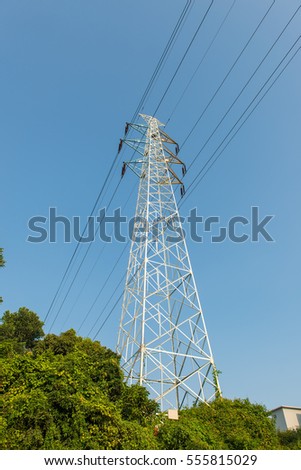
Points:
[[286, 407]]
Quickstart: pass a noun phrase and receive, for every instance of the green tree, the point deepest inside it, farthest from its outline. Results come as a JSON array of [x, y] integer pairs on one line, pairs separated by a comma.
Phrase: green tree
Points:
[[136, 405], [23, 326], [225, 424], [290, 439], [68, 393], [99, 362], [2, 264]]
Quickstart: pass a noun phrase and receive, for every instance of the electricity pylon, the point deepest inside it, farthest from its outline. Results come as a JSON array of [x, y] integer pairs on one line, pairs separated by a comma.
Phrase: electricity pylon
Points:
[[162, 340]]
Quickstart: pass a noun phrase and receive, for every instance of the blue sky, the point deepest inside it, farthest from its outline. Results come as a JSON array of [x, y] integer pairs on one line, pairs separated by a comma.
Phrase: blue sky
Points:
[[72, 74]]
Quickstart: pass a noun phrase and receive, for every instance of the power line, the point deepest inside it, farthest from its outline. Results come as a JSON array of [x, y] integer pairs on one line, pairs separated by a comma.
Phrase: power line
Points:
[[123, 278], [104, 285], [216, 158], [222, 83], [107, 182], [183, 57], [228, 73], [245, 86], [202, 176], [158, 70], [81, 237], [104, 308], [159, 65], [84, 285], [94, 266], [273, 73], [109, 314], [109, 176], [199, 174], [169, 52], [82, 261], [202, 60]]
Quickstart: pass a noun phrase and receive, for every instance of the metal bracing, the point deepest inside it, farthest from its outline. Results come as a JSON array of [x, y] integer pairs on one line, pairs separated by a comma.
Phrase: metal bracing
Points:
[[162, 340]]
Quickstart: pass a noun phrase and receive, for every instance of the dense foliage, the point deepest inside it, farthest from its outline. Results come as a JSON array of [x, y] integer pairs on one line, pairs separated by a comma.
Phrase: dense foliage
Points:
[[21, 329], [225, 424], [290, 439], [67, 392], [2, 263], [1, 257]]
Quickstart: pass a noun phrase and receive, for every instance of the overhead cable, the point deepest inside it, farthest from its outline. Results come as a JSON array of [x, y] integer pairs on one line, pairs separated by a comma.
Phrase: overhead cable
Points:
[[200, 175]]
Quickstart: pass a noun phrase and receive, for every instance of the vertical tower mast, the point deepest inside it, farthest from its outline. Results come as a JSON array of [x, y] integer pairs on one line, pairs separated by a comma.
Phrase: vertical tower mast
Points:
[[162, 340]]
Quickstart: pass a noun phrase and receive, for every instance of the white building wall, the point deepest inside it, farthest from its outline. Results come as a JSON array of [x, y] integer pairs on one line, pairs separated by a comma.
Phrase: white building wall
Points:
[[287, 418], [292, 418], [280, 420]]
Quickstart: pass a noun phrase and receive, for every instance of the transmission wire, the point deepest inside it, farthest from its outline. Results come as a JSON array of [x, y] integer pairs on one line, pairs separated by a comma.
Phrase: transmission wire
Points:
[[94, 266], [169, 44], [199, 174], [201, 61], [168, 54], [104, 308], [245, 86], [228, 73], [81, 237], [159, 65], [82, 261], [183, 57], [245, 120], [103, 286]]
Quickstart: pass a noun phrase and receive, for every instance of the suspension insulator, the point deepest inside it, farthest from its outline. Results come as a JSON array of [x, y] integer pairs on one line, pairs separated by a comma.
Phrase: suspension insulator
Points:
[[177, 149], [182, 190], [126, 128], [184, 170], [123, 169], [120, 145]]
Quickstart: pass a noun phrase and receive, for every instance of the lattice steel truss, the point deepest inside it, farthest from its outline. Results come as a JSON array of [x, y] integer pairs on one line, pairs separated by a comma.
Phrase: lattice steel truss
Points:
[[162, 340]]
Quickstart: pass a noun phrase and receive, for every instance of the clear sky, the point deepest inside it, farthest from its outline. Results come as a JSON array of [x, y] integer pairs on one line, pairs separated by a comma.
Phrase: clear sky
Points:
[[72, 73]]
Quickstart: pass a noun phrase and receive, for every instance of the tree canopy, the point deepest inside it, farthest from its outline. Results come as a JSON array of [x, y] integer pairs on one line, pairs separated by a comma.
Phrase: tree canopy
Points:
[[21, 328], [225, 424], [2, 263], [290, 439], [68, 392]]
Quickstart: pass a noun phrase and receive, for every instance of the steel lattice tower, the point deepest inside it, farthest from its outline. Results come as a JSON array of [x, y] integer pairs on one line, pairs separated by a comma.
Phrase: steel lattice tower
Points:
[[162, 340]]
